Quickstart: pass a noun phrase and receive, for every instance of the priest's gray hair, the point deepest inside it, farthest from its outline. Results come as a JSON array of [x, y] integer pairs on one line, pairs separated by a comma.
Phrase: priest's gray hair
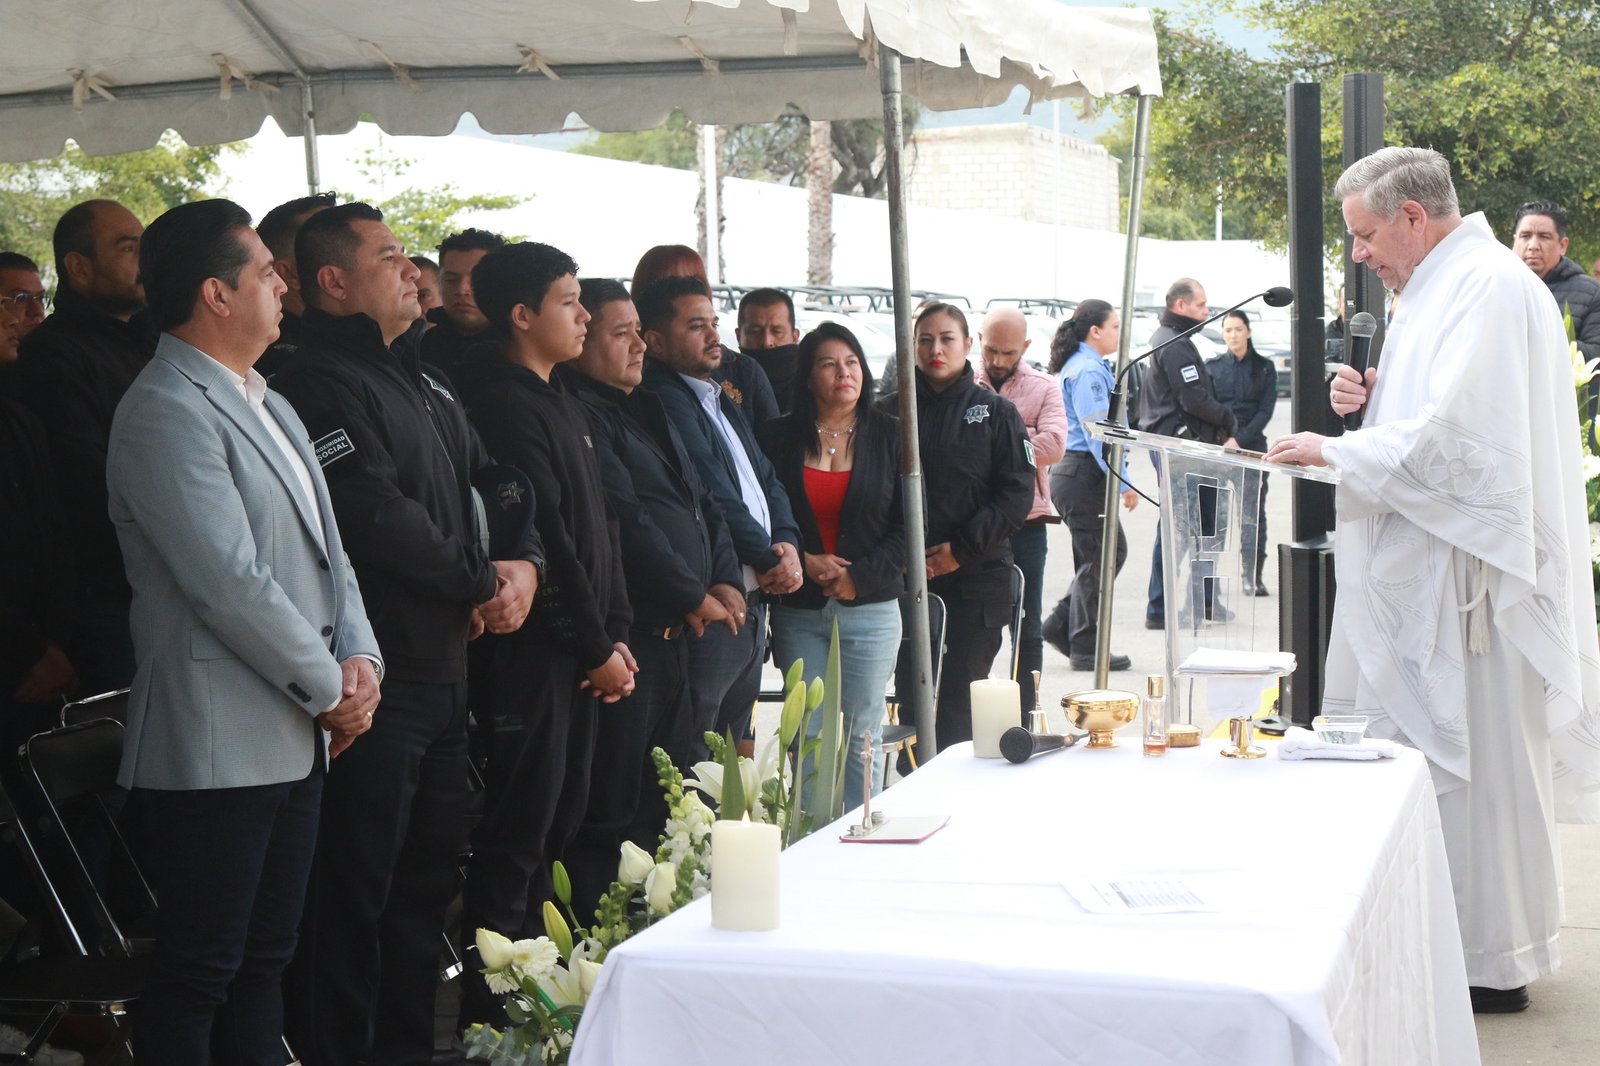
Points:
[[1390, 176]]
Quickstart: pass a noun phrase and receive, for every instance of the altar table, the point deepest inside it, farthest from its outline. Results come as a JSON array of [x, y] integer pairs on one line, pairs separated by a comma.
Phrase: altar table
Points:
[[1333, 938]]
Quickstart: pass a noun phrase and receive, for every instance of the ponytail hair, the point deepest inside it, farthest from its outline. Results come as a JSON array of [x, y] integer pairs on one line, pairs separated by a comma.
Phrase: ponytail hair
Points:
[[1075, 330]]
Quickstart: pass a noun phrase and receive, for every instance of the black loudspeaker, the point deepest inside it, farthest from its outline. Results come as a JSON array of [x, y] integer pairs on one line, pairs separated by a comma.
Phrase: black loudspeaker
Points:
[[1305, 618]]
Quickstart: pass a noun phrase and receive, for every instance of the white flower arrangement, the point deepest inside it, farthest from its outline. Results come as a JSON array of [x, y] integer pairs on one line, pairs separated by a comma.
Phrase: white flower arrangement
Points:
[[547, 980]]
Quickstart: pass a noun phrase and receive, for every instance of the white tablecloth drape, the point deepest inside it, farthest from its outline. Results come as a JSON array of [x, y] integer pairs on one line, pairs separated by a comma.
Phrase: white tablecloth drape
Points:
[[1333, 940]]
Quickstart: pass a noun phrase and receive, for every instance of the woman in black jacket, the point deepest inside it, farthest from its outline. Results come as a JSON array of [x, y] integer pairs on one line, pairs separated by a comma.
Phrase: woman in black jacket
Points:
[[1247, 384], [839, 459]]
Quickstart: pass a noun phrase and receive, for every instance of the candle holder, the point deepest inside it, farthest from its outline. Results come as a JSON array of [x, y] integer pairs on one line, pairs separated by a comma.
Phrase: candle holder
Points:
[[1101, 712], [1241, 731]]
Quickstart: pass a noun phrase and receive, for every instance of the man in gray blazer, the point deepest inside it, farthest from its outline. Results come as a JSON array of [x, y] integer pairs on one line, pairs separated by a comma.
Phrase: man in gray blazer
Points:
[[255, 661]]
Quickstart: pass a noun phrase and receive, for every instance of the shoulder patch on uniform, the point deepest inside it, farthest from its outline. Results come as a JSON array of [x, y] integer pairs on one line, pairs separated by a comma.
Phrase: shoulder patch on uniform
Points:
[[440, 389], [1027, 446], [977, 413], [335, 445], [1191, 374]]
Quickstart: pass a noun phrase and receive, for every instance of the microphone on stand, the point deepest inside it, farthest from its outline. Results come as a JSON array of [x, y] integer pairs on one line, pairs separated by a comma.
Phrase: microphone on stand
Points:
[[1018, 745], [1361, 329], [1277, 296]]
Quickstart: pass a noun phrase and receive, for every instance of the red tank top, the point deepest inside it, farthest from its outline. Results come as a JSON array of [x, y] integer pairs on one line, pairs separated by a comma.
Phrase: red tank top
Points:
[[825, 489]]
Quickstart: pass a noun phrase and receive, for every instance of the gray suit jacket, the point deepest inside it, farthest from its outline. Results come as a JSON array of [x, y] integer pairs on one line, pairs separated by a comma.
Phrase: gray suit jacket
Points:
[[240, 617]]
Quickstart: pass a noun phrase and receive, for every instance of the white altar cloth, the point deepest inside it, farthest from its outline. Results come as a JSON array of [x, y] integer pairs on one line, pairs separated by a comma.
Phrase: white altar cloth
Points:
[[1334, 939]]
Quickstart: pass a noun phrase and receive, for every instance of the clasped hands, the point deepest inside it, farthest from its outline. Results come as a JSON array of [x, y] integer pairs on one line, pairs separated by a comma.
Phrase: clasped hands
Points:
[[352, 715], [722, 604], [786, 576], [832, 575]]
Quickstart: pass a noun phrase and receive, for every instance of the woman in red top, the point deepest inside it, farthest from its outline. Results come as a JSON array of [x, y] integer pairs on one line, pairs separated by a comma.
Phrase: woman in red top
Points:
[[839, 459]]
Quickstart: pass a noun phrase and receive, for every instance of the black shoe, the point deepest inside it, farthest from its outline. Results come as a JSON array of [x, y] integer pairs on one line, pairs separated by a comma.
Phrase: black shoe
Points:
[[1499, 1000], [1086, 662], [1155, 623], [1247, 587], [1261, 590], [1055, 632], [1219, 613]]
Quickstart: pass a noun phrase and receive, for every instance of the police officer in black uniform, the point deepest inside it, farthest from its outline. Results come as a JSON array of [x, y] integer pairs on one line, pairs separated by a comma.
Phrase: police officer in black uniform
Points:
[[1247, 383], [682, 577], [1178, 399], [541, 684], [978, 468], [399, 457]]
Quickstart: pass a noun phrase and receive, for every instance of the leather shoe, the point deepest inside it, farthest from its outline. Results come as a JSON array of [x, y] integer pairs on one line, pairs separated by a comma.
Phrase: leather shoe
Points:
[[1055, 632], [1261, 590], [1086, 662], [1155, 623], [1499, 1000]]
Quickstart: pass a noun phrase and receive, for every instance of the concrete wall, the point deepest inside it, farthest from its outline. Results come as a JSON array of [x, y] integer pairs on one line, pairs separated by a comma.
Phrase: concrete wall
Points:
[[1015, 171]]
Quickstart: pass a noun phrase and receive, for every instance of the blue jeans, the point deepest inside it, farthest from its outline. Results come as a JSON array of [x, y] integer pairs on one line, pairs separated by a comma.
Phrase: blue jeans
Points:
[[869, 643]]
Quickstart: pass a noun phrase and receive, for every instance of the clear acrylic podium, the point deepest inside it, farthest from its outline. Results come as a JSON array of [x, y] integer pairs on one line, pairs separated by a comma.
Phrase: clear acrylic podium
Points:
[[1210, 528]]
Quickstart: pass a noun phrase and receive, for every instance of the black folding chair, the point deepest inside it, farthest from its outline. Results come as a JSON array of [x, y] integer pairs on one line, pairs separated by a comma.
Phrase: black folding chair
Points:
[[113, 705], [899, 735], [77, 983]]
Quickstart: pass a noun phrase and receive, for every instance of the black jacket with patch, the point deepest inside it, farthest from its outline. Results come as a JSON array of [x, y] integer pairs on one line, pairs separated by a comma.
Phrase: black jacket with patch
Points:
[[1176, 391], [398, 454]]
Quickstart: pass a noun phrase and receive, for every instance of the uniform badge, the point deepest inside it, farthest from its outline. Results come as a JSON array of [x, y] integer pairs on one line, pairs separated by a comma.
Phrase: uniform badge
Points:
[[440, 389], [1027, 446], [1191, 374], [736, 395], [977, 413], [509, 494], [335, 445]]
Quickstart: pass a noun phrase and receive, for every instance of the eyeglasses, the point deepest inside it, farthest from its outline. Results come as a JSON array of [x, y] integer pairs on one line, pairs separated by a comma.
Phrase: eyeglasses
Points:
[[23, 300]]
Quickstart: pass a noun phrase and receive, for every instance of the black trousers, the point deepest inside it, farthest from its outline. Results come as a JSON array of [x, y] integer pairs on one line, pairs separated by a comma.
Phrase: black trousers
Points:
[[625, 800], [536, 787], [229, 867], [977, 611], [1078, 489], [1030, 547], [362, 986], [725, 678]]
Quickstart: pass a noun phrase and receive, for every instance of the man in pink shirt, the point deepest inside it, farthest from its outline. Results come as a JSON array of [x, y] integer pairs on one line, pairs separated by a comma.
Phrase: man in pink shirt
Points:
[[1002, 342]]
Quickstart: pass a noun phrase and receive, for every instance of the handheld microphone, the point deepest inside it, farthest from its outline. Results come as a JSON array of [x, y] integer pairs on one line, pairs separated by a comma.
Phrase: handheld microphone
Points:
[[1277, 296], [1361, 329], [1018, 745]]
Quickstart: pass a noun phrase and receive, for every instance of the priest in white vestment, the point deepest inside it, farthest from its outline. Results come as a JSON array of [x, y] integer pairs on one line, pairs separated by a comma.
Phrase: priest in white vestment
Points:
[[1465, 621]]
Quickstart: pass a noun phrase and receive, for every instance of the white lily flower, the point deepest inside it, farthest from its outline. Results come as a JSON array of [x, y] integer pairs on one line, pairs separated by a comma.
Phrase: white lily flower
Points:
[[588, 973], [563, 987], [493, 949], [707, 777]]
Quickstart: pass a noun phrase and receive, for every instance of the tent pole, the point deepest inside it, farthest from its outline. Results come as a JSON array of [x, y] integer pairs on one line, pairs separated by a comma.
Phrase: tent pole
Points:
[[711, 180], [308, 115], [920, 698], [1108, 535]]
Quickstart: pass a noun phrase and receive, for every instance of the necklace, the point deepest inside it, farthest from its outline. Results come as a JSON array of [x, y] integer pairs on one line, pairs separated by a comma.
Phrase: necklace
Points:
[[835, 434]]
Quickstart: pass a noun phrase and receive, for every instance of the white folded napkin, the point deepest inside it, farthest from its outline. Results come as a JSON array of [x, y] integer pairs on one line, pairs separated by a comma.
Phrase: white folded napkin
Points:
[[1300, 743]]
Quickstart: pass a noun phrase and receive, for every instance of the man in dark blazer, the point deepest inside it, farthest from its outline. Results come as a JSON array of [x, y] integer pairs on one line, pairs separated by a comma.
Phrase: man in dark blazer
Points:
[[254, 659], [683, 351]]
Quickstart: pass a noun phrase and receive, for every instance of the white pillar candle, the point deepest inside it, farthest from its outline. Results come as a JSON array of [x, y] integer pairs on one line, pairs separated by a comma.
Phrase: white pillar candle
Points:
[[996, 707], [744, 875]]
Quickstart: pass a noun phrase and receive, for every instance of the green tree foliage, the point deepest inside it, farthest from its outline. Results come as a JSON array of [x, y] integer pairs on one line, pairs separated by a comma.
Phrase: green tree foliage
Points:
[[34, 195], [777, 151], [1505, 90], [421, 217]]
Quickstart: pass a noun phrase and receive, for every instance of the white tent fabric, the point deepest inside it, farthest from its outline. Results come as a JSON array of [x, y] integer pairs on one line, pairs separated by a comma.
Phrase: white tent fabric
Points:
[[114, 74]]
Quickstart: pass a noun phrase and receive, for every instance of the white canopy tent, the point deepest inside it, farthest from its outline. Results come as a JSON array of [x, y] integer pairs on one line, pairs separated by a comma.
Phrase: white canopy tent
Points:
[[113, 75]]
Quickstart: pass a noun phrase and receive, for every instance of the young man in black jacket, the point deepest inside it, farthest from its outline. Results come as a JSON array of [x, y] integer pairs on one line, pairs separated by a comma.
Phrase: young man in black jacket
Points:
[[682, 353], [682, 578], [460, 331], [399, 458], [541, 684], [71, 372]]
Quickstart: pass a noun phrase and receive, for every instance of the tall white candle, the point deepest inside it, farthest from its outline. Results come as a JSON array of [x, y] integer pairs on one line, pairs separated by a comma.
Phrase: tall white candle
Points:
[[996, 707], [744, 875]]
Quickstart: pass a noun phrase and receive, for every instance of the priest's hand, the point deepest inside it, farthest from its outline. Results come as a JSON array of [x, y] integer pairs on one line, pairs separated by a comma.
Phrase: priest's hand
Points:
[[1347, 391], [1302, 448]]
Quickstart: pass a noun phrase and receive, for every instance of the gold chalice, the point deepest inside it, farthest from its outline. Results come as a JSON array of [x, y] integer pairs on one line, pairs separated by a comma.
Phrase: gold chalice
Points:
[[1101, 711]]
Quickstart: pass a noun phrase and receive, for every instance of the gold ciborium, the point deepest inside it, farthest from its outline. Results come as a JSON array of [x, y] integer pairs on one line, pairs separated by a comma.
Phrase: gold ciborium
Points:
[[1101, 711]]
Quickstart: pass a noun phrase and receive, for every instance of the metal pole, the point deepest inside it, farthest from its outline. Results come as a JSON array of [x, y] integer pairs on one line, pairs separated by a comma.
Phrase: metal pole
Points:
[[309, 118], [920, 698], [708, 175], [1108, 535]]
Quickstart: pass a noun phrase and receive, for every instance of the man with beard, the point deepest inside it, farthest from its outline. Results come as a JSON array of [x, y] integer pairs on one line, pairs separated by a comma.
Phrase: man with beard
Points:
[[1002, 344], [72, 372], [682, 352]]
